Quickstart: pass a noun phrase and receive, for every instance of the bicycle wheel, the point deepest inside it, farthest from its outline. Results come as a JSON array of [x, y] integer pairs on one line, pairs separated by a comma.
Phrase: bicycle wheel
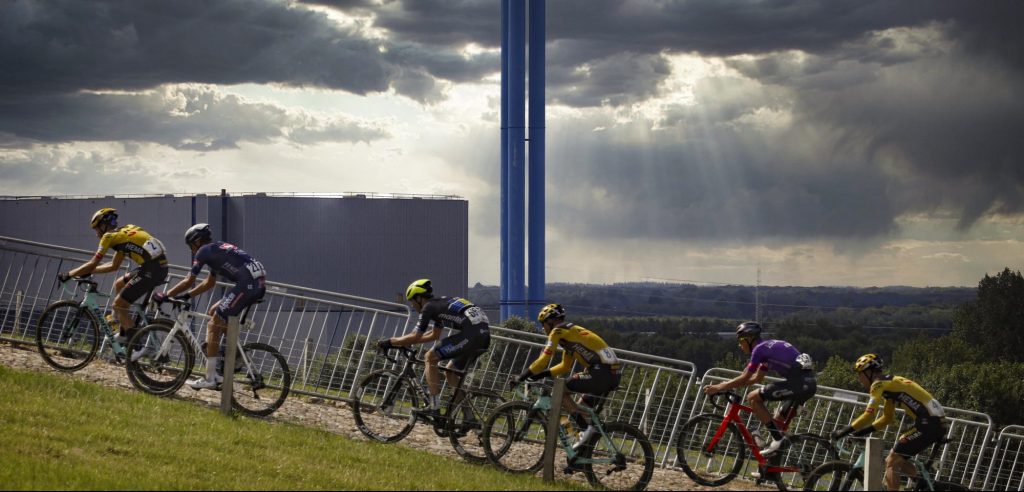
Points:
[[708, 461], [804, 453], [68, 335], [155, 371], [835, 475], [514, 436], [623, 458], [260, 388], [466, 422], [384, 406], [940, 485]]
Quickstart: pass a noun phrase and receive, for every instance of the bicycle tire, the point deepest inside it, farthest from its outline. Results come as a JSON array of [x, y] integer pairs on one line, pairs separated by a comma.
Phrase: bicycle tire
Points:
[[835, 475], [262, 387], [68, 335], [804, 453], [159, 374], [706, 466], [466, 420], [514, 436], [396, 395], [635, 451]]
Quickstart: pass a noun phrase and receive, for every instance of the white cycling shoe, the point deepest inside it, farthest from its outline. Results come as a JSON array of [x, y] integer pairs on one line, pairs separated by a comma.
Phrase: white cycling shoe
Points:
[[206, 383]]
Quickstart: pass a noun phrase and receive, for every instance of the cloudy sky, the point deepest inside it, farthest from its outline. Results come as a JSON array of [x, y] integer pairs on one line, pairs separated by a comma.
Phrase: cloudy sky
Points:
[[826, 143]]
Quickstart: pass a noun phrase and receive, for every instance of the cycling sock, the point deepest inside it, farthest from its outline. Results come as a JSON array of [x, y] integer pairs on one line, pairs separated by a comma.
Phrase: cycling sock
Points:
[[774, 430], [581, 423], [435, 402], [211, 367]]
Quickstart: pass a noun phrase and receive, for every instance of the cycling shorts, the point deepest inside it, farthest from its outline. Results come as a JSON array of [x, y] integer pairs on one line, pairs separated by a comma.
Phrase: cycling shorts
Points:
[[797, 388], [241, 296], [462, 347], [595, 383], [918, 438], [142, 280]]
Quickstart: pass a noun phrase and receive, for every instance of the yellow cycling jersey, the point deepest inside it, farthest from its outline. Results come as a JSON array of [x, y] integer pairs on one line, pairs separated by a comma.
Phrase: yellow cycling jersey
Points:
[[138, 244], [897, 390], [578, 344]]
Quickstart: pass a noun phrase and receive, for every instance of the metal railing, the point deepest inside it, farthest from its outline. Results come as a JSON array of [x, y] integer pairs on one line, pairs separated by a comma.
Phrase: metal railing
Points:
[[327, 339]]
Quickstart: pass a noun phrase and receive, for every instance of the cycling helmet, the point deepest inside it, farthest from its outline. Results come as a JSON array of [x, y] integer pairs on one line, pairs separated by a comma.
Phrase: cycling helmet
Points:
[[104, 216], [749, 329], [550, 311], [420, 287], [868, 361], [198, 232]]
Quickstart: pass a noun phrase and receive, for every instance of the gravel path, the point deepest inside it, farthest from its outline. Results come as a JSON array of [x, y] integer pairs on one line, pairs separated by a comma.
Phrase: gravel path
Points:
[[334, 417]]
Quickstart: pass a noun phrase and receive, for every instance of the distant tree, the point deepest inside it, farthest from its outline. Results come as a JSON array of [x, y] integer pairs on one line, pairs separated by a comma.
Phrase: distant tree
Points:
[[838, 373], [995, 321]]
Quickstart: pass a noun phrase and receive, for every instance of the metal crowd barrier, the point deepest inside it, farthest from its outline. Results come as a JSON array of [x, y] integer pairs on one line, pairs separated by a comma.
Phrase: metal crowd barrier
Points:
[[327, 338]]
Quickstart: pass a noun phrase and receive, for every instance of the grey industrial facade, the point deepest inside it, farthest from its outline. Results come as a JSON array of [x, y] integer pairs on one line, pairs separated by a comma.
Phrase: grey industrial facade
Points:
[[360, 244]]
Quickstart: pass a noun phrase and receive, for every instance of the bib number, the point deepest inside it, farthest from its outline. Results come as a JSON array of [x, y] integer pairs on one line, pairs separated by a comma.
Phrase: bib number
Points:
[[256, 269], [476, 315], [805, 361], [154, 247]]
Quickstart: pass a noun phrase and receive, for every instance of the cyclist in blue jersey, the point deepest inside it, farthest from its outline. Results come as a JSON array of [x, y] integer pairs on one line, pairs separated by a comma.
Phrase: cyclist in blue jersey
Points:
[[785, 360], [473, 334], [224, 260]]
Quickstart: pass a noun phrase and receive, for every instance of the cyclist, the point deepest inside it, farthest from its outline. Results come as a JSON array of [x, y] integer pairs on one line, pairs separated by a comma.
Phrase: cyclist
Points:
[[456, 313], [929, 418], [230, 262], [144, 249], [797, 369], [601, 368]]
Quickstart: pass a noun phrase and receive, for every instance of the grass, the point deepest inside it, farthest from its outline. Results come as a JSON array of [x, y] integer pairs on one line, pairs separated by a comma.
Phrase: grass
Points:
[[60, 433]]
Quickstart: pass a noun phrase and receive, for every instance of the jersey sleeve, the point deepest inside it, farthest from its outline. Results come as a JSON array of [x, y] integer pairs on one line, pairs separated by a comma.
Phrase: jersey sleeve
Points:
[[202, 256], [756, 359], [549, 351], [565, 365], [423, 323], [105, 242], [869, 416]]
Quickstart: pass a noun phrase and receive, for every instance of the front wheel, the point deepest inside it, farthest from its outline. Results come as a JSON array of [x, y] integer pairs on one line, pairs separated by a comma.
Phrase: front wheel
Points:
[[68, 335], [708, 454], [835, 475], [158, 363], [514, 436], [466, 421], [260, 387], [804, 453], [383, 406], [621, 459]]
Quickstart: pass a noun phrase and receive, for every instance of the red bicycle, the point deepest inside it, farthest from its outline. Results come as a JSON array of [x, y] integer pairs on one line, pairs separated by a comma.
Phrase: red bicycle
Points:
[[712, 449]]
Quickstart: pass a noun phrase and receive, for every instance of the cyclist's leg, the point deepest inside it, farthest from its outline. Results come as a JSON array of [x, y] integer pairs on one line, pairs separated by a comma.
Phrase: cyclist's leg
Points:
[[130, 287], [910, 443], [593, 384]]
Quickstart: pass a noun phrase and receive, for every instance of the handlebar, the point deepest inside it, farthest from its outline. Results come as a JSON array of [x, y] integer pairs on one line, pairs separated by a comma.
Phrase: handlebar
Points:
[[91, 286], [405, 352], [730, 395]]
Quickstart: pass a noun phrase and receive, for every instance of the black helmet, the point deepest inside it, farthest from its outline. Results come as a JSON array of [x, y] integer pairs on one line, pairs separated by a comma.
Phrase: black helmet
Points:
[[198, 232], [748, 329]]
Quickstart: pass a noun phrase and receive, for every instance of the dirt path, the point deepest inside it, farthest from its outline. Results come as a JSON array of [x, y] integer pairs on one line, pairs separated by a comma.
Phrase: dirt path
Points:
[[334, 417]]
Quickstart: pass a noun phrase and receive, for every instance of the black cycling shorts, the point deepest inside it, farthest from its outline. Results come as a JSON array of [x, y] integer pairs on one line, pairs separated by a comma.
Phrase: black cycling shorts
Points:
[[918, 438], [464, 346], [797, 388], [594, 383], [241, 296], [143, 280]]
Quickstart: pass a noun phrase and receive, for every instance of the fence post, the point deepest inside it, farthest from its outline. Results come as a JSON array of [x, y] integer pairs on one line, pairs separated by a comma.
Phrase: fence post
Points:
[[229, 365], [873, 468], [554, 419]]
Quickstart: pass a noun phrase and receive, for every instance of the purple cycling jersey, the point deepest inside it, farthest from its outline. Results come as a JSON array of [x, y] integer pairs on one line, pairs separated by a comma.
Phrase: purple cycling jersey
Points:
[[774, 355], [228, 261]]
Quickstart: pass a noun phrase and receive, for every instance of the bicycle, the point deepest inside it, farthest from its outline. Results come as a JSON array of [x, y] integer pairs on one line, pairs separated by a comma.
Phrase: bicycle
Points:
[[846, 475], [712, 449], [618, 456], [261, 379], [70, 333], [388, 403]]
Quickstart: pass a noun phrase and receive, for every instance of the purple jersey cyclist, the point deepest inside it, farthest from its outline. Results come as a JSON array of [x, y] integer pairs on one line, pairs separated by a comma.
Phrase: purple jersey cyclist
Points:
[[796, 369], [227, 261]]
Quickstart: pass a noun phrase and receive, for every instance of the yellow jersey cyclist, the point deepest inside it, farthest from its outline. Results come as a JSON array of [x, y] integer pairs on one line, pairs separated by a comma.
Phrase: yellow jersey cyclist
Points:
[[929, 418], [137, 244], [601, 368], [473, 335]]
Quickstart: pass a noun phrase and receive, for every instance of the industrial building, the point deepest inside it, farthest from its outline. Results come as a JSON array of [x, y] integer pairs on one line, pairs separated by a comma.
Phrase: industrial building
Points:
[[369, 245]]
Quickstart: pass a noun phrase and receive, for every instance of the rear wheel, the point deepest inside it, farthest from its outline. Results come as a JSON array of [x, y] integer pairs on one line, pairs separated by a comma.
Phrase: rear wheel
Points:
[[68, 335], [158, 365], [835, 475], [260, 387], [804, 453], [383, 406], [624, 458], [514, 436], [466, 422], [708, 461]]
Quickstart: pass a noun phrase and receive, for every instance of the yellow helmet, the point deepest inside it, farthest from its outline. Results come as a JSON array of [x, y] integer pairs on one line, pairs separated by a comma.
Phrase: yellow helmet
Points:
[[419, 287], [104, 216], [550, 311], [867, 361]]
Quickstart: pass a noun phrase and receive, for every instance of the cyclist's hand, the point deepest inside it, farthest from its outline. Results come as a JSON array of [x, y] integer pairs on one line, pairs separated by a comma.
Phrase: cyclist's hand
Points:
[[159, 297], [63, 277], [512, 383], [183, 297], [712, 389], [384, 344]]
